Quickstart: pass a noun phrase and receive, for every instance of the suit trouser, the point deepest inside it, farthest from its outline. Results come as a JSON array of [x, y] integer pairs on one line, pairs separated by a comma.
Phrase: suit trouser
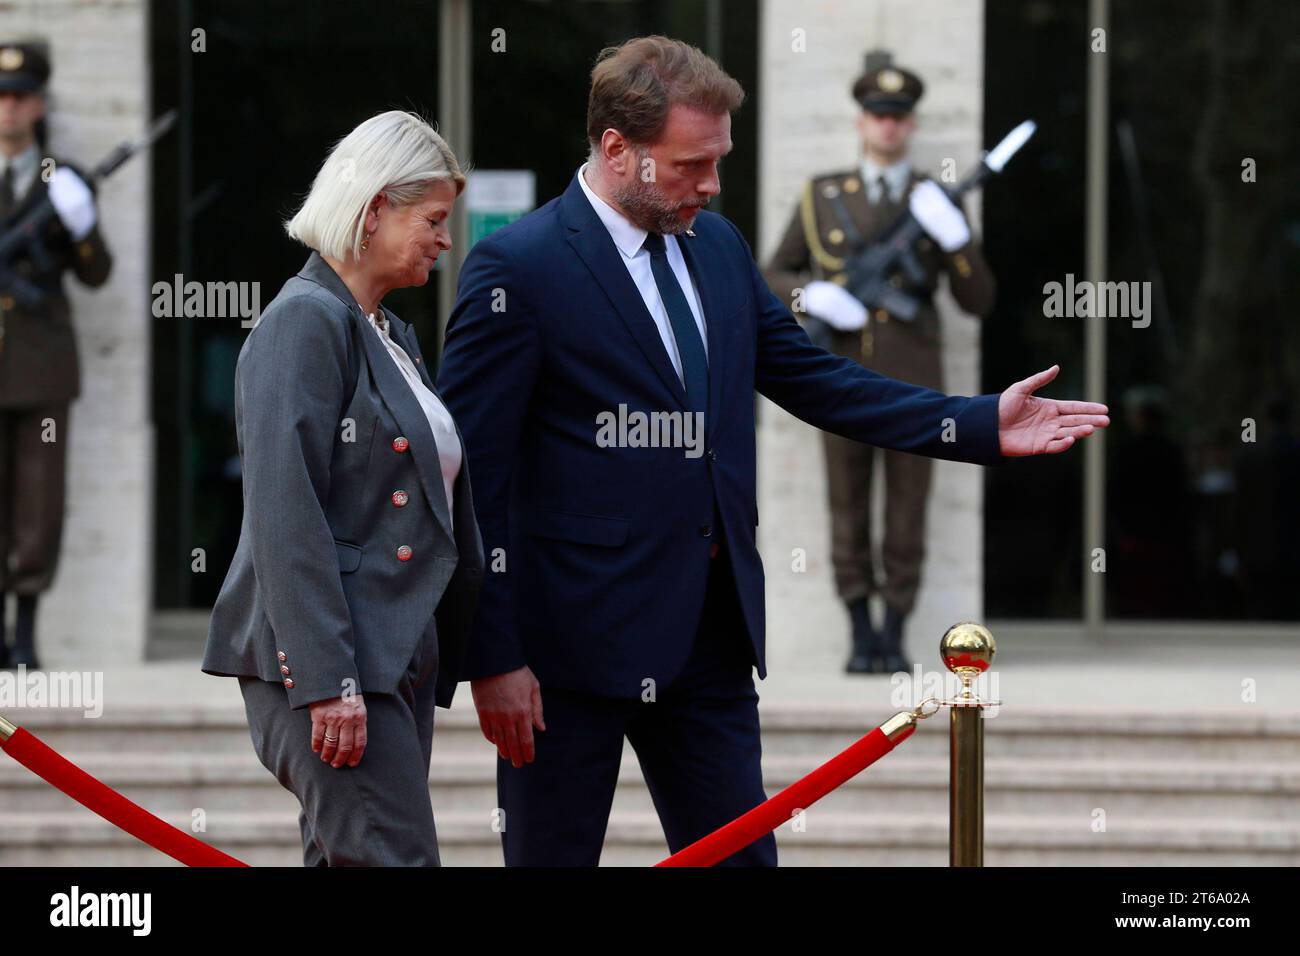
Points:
[[697, 742], [907, 489], [377, 813], [31, 495]]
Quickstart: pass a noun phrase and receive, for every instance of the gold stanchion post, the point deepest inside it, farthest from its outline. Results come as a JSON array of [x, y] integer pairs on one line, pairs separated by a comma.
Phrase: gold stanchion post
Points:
[[967, 650]]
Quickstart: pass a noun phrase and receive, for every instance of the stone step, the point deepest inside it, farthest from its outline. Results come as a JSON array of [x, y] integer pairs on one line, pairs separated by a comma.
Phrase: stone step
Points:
[[271, 838], [1177, 789], [787, 729], [466, 782]]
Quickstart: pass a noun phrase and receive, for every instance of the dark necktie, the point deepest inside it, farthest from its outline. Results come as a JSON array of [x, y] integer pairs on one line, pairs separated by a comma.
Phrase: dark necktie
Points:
[[882, 191], [6, 192], [695, 366]]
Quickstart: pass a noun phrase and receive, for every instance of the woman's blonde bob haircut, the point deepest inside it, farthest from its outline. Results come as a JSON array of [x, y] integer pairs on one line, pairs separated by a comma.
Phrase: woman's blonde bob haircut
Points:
[[396, 153]]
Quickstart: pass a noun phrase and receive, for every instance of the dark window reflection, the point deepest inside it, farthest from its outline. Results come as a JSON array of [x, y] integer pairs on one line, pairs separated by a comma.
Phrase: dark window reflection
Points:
[[1202, 523], [1033, 213], [274, 89]]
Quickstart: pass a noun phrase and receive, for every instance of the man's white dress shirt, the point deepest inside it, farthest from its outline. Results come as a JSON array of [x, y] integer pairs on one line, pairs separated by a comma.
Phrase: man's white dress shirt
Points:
[[896, 177], [26, 165], [629, 239]]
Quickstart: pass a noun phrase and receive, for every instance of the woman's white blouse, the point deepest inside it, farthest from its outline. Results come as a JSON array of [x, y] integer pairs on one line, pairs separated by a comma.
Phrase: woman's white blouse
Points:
[[440, 421]]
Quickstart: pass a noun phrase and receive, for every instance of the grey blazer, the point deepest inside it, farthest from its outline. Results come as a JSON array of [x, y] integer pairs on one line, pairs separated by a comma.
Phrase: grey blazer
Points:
[[318, 592]]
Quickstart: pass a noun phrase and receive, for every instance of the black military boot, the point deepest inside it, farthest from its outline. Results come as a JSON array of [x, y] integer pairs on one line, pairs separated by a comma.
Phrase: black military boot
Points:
[[24, 650], [891, 640], [865, 650], [4, 630]]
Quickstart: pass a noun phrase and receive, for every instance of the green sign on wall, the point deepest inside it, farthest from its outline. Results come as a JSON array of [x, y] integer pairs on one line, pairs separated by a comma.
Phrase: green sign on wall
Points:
[[496, 198]]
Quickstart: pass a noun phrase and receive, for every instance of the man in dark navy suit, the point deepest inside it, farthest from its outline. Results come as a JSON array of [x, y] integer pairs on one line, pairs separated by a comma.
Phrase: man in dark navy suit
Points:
[[602, 360]]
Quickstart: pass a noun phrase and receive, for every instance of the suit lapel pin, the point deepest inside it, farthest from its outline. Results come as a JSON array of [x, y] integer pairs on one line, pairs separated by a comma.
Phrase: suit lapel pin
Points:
[[691, 233]]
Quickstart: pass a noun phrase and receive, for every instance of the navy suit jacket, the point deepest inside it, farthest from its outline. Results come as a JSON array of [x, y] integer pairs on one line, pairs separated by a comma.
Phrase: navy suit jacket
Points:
[[597, 557]]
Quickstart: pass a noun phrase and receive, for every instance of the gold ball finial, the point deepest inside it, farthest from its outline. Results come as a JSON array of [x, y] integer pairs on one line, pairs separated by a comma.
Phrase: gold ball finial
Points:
[[967, 649]]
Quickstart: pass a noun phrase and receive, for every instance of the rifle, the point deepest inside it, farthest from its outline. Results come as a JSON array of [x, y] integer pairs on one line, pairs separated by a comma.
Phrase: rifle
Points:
[[880, 272], [25, 236]]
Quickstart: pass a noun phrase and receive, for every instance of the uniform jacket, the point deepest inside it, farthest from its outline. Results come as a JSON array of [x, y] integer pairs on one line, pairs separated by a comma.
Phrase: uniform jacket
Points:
[[38, 348], [815, 246], [606, 549], [328, 432]]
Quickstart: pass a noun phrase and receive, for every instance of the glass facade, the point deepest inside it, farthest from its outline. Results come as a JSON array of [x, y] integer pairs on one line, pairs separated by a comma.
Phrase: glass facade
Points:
[[1203, 220], [1203, 371]]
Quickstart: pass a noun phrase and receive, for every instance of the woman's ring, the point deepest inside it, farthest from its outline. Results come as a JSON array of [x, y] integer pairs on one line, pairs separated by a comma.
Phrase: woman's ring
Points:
[[330, 739]]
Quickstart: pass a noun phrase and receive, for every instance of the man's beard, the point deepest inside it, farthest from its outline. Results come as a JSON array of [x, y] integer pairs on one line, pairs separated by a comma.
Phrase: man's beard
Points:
[[646, 206]]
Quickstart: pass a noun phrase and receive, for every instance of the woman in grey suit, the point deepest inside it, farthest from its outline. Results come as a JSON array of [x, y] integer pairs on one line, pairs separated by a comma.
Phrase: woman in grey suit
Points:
[[347, 606]]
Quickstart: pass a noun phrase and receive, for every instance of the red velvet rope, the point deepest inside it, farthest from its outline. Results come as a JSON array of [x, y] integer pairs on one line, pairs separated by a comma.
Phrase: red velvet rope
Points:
[[722, 843], [800, 795], [111, 805]]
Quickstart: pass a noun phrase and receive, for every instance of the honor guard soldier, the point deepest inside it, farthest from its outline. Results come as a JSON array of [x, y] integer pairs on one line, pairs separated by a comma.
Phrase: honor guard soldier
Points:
[[39, 373], [838, 214]]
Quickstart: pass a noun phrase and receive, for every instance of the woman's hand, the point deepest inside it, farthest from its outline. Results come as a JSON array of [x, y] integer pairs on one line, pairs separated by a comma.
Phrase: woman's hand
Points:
[[338, 730], [509, 707]]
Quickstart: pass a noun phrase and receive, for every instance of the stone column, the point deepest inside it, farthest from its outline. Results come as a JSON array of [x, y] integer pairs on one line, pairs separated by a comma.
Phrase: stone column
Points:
[[807, 127], [97, 613]]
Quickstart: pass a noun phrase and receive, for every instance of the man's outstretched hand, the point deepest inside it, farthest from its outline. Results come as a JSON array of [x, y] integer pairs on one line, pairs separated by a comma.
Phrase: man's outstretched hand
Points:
[[1028, 425]]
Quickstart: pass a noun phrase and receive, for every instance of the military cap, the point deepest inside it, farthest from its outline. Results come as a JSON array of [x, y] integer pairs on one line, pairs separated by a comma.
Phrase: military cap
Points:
[[886, 88], [24, 68]]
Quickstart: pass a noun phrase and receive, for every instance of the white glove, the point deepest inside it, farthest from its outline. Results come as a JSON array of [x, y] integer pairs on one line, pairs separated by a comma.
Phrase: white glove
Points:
[[834, 305], [73, 201], [938, 215]]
